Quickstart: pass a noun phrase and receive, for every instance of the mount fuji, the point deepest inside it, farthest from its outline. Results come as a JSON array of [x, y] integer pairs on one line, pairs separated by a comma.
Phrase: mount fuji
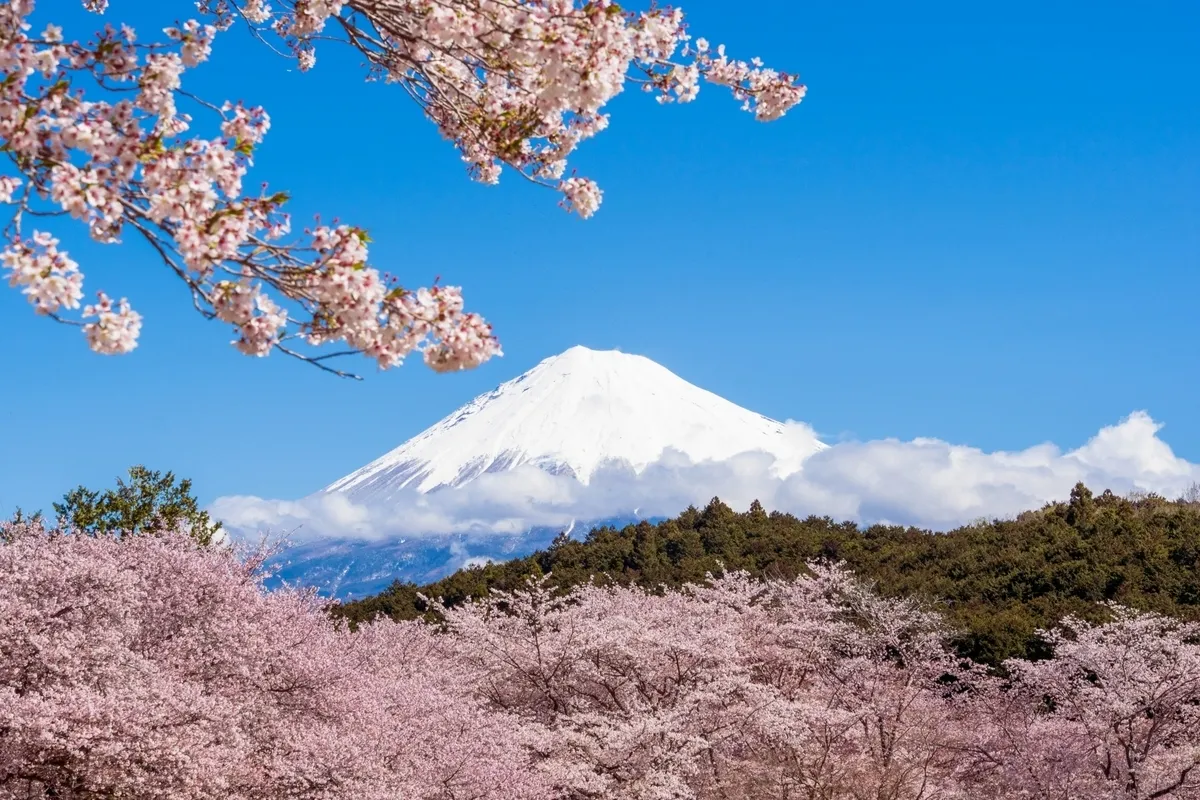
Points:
[[573, 416], [570, 415]]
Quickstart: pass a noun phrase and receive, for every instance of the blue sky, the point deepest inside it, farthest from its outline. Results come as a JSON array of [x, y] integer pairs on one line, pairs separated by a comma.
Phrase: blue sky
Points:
[[980, 226]]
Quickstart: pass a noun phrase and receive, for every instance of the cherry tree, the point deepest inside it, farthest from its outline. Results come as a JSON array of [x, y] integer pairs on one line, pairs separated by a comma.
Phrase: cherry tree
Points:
[[810, 688], [630, 695], [154, 667], [870, 700], [1114, 714], [102, 132]]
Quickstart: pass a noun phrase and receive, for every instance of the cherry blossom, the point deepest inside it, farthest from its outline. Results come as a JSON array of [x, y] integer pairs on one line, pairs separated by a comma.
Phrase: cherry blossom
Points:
[[812, 688], [152, 666], [1115, 713], [102, 132], [519, 83], [126, 163]]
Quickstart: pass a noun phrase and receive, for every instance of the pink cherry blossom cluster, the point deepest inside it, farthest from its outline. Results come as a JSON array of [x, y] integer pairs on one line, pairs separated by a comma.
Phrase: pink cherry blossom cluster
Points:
[[521, 82], [820, 688], [96, 131], [125, 162], [116, 328], [47, 275], [150, 666], [155, 668], [740, 689]]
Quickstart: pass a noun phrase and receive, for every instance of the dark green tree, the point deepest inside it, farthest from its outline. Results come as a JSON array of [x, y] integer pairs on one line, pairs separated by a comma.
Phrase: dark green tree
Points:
[[1081, 507], [150, 501]]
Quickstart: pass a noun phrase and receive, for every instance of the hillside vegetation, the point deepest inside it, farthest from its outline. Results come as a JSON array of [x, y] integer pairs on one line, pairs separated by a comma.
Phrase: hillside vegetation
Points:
[[996, 583]]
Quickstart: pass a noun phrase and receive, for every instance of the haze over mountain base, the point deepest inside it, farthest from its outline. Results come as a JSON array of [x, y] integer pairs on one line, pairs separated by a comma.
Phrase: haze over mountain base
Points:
[[353, 568], [590, 437]]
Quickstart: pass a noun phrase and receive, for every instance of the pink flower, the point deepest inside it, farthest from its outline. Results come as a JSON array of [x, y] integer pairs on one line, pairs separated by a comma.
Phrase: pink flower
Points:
[[95, 130]]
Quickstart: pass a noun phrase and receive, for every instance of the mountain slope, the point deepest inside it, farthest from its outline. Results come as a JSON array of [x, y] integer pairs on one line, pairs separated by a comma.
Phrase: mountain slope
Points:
[[571, 414]]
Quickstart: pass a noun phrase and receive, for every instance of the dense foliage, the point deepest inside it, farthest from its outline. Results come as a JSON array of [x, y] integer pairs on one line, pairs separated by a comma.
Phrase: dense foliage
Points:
[[995, 582], [149, 501], [155, 667]]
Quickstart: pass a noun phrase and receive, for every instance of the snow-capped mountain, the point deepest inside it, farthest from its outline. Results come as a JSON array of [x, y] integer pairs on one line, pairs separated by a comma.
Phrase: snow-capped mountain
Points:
[[571, 414]]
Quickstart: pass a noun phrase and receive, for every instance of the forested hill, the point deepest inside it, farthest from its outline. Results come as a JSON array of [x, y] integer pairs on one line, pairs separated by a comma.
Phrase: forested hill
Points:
[[995, 582]]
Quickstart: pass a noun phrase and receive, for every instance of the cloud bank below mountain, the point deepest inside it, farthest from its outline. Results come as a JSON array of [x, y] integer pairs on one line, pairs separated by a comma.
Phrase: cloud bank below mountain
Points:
[[924, 482]]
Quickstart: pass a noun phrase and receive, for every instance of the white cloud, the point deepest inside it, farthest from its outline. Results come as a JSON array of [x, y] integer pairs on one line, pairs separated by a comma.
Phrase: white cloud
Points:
[[924, 482]]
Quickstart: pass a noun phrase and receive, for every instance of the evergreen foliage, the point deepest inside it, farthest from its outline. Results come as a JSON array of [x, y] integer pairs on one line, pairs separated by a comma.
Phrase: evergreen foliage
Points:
[[996, 582], [150, 501]]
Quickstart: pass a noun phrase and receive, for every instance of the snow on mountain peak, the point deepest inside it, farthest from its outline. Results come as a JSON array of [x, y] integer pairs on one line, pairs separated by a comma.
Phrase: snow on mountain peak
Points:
[[571, 414]]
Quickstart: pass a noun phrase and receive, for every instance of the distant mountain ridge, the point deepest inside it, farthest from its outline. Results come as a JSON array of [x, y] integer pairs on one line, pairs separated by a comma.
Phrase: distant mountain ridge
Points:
[[350, 569]]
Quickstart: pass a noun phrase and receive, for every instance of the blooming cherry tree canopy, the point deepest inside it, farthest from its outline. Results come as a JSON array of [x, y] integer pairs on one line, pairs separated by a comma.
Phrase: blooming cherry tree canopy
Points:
[[94, 131], [151, 666]]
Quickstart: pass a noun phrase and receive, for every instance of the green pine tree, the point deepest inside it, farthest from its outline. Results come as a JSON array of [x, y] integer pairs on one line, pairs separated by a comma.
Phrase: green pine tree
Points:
[[150, 501]]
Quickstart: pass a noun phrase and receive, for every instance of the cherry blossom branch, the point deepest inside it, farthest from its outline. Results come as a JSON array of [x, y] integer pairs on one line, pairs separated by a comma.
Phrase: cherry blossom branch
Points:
[[94, 131], [520, 82], [127, 163]]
